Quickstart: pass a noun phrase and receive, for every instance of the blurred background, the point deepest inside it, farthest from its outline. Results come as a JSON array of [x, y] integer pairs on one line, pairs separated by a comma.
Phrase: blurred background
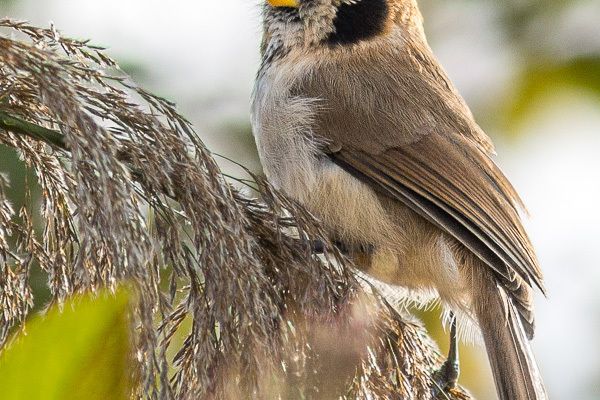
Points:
[[530, 70]]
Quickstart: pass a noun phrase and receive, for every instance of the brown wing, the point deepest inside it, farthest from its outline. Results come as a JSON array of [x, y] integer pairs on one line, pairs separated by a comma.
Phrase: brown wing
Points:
[[396, 122], [448, 180]]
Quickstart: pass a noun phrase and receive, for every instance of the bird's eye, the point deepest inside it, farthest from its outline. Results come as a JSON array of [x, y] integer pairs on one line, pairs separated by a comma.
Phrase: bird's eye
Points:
[[359, 20]]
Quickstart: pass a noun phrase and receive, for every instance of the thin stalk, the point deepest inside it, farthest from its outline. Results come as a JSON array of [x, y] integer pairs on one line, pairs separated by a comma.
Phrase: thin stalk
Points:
[[22, 127]]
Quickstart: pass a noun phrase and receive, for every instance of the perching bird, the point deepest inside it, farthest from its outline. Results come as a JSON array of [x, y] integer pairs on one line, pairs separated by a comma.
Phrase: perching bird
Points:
[[355, 118]]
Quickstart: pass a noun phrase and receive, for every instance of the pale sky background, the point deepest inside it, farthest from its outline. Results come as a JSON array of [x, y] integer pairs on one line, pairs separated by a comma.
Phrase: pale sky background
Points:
[[203, 54]]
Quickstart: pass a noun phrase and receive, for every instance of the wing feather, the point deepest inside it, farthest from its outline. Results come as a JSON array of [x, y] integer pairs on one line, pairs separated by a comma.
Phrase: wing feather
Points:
[[459, 186]]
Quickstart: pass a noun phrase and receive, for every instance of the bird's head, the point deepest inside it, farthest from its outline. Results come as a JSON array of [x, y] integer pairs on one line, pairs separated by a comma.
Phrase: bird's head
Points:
[[293, 23]]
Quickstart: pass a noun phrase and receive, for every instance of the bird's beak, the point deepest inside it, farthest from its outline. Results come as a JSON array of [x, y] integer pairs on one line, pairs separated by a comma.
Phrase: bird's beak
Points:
[[284, 3]]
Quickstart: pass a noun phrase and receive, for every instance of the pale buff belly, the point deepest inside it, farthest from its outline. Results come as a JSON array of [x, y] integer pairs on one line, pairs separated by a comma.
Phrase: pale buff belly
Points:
[[404, 249]]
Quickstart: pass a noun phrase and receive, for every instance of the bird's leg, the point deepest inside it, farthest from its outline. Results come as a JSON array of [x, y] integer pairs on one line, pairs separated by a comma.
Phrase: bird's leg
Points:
[[452, 364], [447, 376]]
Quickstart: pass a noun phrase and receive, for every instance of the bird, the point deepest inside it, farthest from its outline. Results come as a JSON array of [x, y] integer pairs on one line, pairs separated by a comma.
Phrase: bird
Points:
[[355, 119]]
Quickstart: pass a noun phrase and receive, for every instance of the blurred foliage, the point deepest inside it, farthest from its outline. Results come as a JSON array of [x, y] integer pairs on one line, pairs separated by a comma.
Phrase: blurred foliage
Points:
[[24, 191], [137, 71], [19, 175], [542, 80], [79, 353], [7, 3], [516, 16]]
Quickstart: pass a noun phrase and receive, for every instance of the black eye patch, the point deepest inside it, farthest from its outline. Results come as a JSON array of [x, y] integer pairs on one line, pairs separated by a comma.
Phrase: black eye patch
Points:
[[359, 21]]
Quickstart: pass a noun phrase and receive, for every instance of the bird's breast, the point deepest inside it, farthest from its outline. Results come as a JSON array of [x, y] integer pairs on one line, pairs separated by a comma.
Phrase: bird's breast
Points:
[[291, 154]]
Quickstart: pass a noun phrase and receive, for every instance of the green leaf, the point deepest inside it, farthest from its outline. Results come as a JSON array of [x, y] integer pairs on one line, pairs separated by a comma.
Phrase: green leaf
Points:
[[80, 353]]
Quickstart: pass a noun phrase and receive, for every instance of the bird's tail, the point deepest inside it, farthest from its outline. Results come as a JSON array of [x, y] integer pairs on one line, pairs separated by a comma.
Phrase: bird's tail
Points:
[[514, 367]]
